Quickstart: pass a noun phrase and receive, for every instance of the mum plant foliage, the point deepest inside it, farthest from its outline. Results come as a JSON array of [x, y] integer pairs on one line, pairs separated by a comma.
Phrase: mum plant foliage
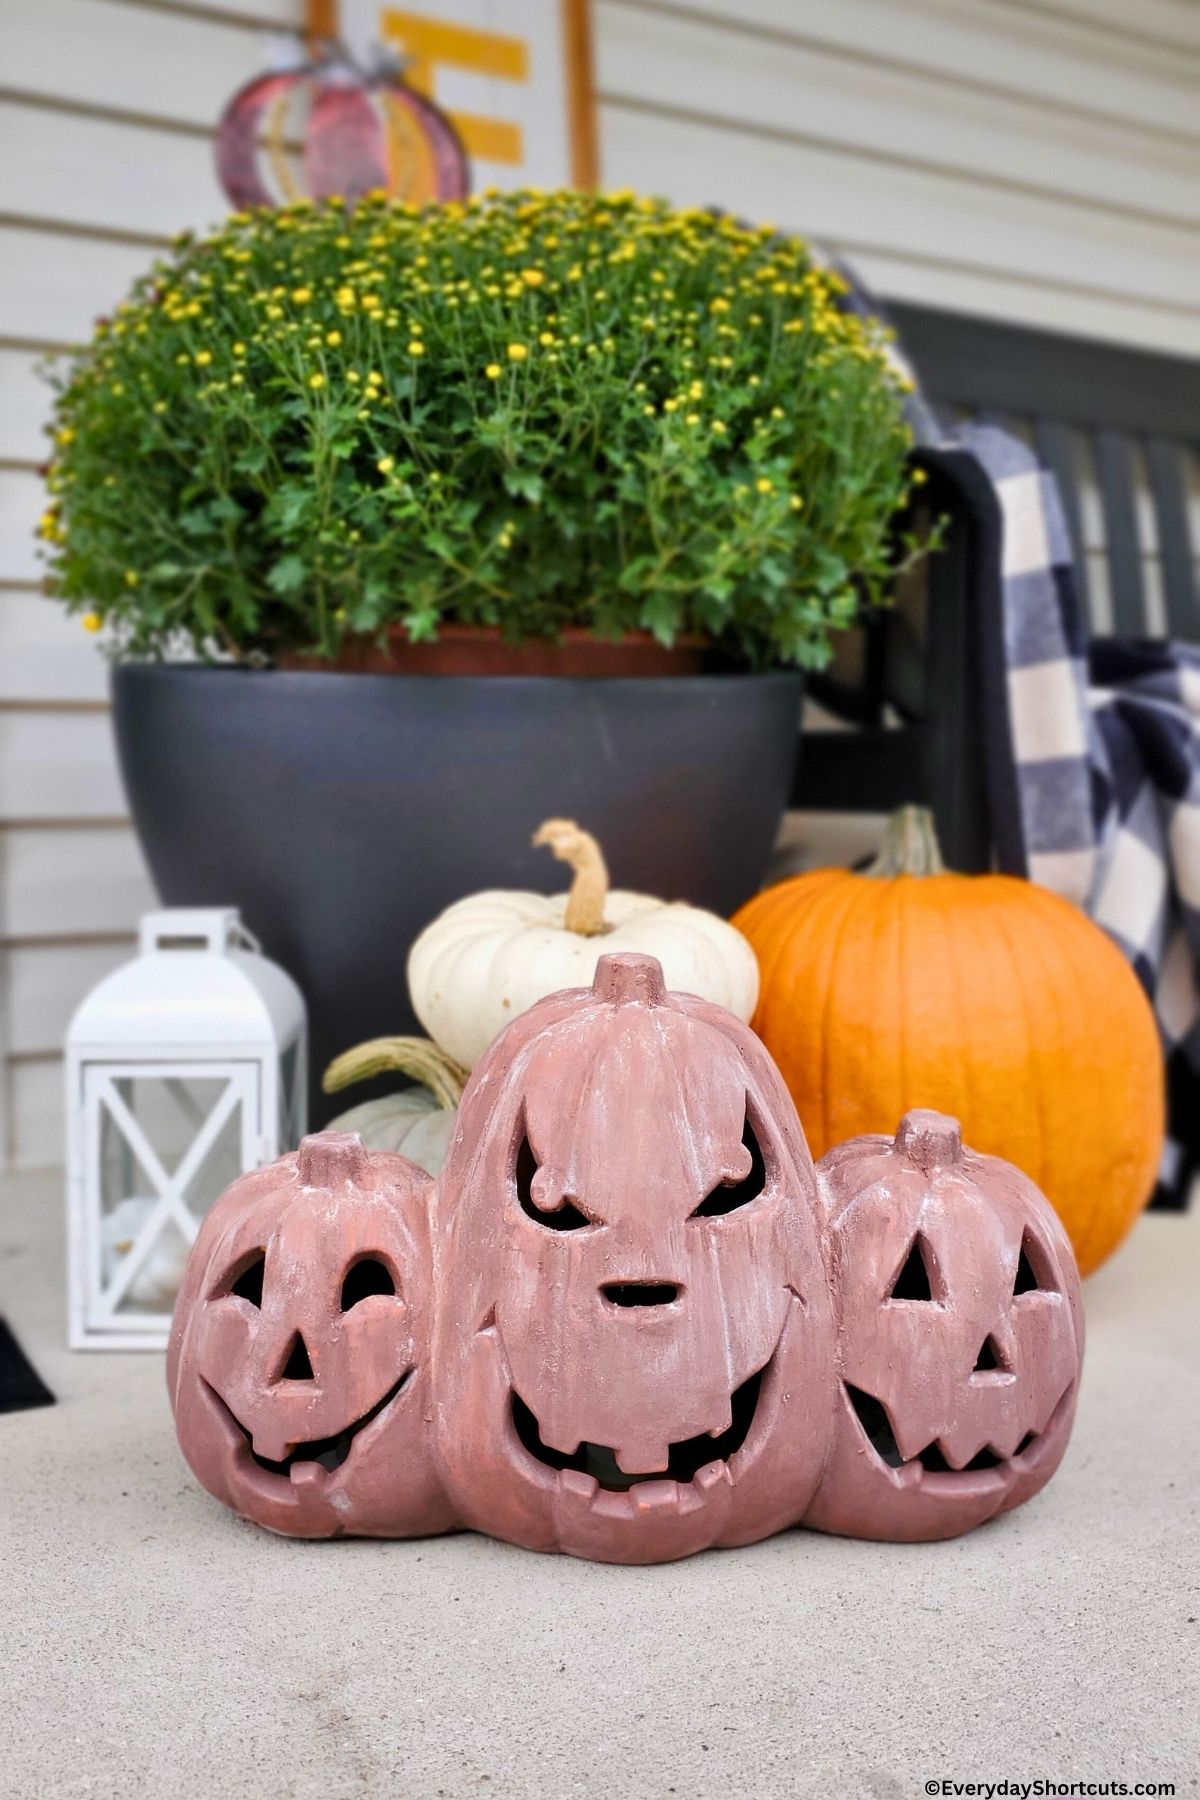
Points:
[[527, 410]]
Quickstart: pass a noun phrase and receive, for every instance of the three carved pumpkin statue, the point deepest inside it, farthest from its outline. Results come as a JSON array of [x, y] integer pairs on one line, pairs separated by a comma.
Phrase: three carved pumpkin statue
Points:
[[629, 1320]]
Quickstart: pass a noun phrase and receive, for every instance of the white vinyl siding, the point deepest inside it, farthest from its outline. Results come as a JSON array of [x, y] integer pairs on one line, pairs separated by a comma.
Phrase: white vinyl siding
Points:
[[1030, 160]]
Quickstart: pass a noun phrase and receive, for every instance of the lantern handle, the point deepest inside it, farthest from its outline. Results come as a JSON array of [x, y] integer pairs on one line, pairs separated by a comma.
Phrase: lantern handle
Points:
[[217, 929]]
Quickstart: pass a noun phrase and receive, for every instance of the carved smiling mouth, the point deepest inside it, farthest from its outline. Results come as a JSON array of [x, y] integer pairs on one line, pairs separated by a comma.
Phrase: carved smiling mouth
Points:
[[595, 1465], [876, 1427], [329, 1452]]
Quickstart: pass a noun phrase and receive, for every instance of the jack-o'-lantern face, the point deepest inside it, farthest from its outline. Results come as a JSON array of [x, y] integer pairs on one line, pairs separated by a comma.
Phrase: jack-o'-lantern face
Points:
[[960, 1336], [298, 1365], [635, 1347]]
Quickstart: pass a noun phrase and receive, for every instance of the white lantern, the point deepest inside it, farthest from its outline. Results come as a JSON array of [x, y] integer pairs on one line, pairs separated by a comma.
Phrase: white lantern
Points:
[[184, 1068]]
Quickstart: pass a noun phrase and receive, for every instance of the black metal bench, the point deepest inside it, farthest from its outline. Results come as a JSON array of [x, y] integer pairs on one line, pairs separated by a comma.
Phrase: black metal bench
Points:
[[1120, 428]]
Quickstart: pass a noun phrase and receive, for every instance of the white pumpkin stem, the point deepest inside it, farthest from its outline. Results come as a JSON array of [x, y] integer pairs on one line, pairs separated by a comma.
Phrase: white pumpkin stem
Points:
[[910, 845], [589, 890], [421, 1058]]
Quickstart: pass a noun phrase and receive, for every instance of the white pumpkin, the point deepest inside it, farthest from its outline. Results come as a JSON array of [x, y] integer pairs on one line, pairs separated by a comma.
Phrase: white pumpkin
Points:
[[419, 1121], [491, 956]]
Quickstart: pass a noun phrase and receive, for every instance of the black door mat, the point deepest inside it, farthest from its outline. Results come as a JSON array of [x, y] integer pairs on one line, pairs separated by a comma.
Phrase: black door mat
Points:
[[21, 1387]]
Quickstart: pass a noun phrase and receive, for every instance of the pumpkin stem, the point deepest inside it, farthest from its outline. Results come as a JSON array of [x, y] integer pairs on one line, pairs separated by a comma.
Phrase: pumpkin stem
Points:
[[589, 890], [421, 1058], [910, 845]]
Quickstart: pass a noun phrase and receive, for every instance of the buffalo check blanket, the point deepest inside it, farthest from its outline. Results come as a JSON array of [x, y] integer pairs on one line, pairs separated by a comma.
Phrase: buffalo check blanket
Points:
[[1100, 764]]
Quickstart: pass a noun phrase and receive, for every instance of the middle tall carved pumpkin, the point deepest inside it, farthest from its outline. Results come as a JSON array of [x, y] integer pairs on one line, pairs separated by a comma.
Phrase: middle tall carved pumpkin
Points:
[[635, 1344]]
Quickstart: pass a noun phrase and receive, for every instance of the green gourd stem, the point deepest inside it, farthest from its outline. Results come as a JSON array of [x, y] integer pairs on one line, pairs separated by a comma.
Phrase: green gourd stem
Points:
[[421, 1058], [589, 890], [910, 846]]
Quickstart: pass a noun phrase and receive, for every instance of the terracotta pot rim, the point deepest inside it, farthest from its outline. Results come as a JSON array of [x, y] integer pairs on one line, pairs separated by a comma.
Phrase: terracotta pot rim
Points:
[[483, 650]]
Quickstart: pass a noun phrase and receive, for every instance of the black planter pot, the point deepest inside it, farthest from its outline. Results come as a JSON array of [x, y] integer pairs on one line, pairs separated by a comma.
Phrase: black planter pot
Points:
[[342, 813]]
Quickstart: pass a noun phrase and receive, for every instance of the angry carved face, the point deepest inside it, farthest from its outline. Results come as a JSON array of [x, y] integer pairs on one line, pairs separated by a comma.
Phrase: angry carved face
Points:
[[298, 1365], [635, 1349], [961, 1336]]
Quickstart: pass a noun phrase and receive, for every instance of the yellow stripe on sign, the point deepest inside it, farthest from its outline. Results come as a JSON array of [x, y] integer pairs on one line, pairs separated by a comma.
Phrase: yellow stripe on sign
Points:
[[493, 140], [430, 41]]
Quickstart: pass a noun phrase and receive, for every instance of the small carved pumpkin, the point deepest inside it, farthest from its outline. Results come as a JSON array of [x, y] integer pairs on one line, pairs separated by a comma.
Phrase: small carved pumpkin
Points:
[[961, 1335], [635, 1344], [298, 1367]]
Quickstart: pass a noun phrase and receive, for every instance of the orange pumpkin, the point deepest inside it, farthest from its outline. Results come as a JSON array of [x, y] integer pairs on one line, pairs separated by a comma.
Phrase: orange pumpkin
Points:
[[982, 996]]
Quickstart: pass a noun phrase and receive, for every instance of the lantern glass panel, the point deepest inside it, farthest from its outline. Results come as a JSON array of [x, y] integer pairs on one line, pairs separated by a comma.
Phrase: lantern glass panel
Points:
[[167, 1146], [293, 1101]]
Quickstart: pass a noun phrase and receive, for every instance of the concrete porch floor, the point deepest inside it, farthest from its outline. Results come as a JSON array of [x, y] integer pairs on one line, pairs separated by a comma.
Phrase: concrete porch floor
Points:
[[152, 1645]]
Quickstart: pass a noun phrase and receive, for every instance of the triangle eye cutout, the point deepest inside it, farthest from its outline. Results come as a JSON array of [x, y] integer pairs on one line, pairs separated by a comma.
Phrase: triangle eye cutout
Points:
[[297, 1364], [249, 1284], [1027, 1281], [726, 1197], [561, 1218], [991, 1359], [913, 1282]]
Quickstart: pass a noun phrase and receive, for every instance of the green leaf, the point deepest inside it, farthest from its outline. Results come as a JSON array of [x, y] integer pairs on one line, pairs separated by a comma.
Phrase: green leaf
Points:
[[288, 575]]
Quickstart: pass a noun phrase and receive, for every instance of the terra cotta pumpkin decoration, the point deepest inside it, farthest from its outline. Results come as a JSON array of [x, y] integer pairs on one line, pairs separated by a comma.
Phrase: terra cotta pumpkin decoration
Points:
[[298, 1367], [985, 996], [960, 1335], [635, 1341], [490, 956]]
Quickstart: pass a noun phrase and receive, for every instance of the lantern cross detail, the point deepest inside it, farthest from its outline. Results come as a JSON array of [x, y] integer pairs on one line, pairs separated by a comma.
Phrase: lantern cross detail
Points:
[[171, 1189]]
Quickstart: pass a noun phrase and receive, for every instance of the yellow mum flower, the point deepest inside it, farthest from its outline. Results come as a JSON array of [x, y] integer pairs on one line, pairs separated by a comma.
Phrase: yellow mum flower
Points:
[[493, 371], [91, 621], [416, 347], [301, 295], [518, 352], [203, 358], [317, 380], [386, 464], [765, 485], [333, 337], [533, 278]]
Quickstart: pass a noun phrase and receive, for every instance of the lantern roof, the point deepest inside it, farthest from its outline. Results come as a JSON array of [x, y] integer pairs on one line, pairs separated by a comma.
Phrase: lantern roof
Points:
[[199, 983]]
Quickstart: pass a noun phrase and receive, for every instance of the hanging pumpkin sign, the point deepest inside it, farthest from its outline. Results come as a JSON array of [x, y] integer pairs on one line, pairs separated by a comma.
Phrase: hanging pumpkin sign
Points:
[[491, 956], [635, 1346], [329, 128], [984, 996], [298, 1367], [960, 1336]]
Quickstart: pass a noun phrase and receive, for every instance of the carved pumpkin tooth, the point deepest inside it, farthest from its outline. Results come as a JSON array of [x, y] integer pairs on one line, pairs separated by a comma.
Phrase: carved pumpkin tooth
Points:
[[574, 1481], [655, 1496], [307, 1475], [712, 1475]]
